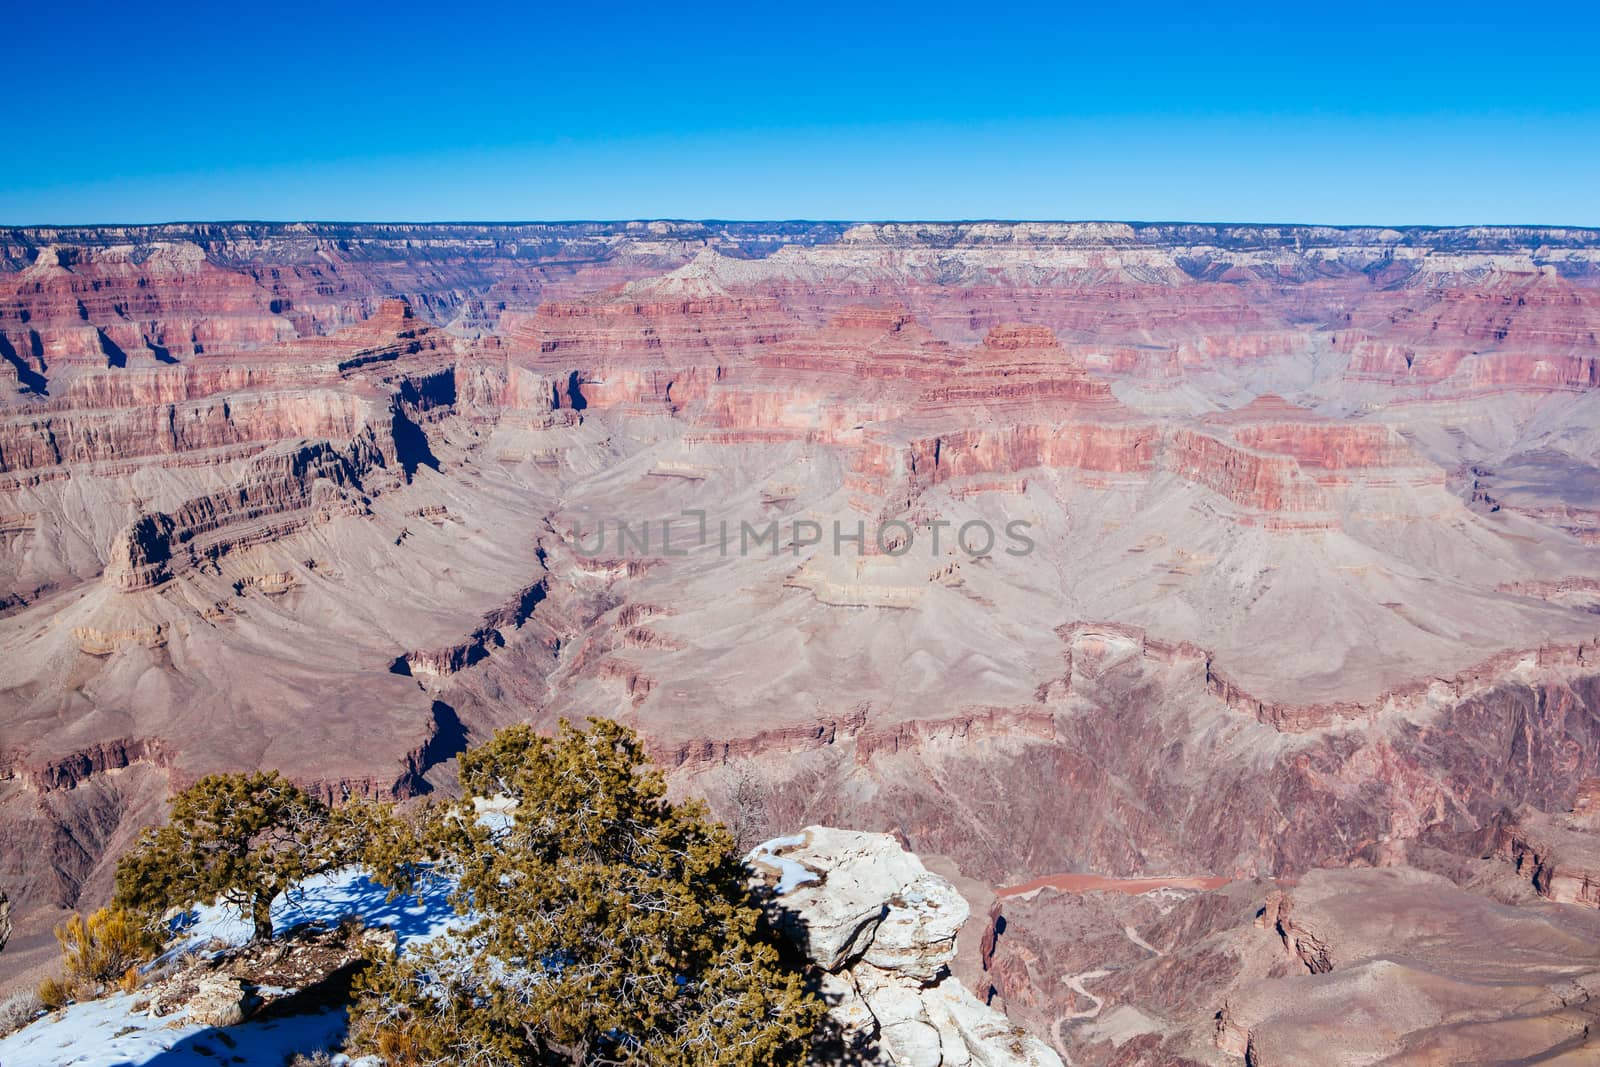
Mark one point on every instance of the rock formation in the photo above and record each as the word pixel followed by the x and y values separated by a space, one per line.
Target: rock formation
pixel 1437 974
pixel 309 968
pixel 1306 577
pixel 883 929
pixel 1558 853
pixel 1393 965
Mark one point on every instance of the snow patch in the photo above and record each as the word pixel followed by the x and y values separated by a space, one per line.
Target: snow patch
pixel 108 1033
pixel 326 898
pixel 791 873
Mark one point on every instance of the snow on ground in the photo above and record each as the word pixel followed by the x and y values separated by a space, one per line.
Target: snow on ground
pixel 328 898
pixel 108 1033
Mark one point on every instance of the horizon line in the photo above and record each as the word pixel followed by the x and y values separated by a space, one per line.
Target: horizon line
pixel 797 220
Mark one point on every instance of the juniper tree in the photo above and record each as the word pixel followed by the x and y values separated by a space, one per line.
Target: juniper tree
pixel 602 924
pixel 243 838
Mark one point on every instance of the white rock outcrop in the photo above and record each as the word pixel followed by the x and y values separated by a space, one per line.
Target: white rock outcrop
pixel 884 928
pixel 218 1000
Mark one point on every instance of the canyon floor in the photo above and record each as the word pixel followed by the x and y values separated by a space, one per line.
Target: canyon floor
pixel 1217 606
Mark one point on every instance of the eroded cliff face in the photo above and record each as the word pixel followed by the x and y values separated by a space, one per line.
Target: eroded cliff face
pixel 1309 513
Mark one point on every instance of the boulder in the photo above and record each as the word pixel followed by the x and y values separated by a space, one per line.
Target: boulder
pixel 883 929
pixel 217 1000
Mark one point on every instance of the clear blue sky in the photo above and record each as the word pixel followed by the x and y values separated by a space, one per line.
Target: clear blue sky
pixel 1350 113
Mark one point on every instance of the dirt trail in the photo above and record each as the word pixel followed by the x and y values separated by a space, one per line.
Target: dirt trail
pixel 1090 883
pixel 1075 983
pixel 1133 935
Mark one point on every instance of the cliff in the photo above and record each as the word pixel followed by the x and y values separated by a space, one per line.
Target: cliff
pixel 883 930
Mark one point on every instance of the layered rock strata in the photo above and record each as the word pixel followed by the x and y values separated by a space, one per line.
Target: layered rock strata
pixel 1310 512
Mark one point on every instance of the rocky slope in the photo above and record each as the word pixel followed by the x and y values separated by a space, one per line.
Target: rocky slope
pixel 1392 965
pixel 1114 549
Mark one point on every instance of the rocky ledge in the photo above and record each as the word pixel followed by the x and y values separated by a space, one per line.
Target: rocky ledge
pixel 309 969
pixel 883 929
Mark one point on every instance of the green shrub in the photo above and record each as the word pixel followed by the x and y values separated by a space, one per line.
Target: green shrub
pixel 607 925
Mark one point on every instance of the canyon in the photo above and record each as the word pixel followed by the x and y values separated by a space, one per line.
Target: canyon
pixel 1274 689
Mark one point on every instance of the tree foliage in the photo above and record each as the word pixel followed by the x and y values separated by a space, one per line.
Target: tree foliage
pixel 602 923
pixel 243 838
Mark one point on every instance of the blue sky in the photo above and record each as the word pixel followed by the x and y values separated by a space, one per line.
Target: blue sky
pixel 1340 113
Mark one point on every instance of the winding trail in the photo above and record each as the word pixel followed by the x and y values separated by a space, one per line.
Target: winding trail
pixel 1075 982
pixel 1133 935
